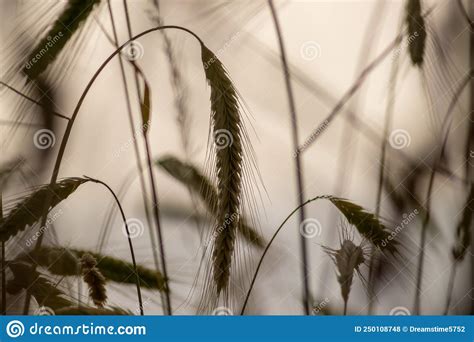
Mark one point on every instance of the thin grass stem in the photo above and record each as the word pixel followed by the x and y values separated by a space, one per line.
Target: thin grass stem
pixel 449 295
pixel 4 283
pixel 62 116
pixel 306 269
pixel 317 132
pixel 382 166
pixel 446 123
pixel 130 244
pixel 70 125
pixel 156 209
pixel 267 247
pixel 144 191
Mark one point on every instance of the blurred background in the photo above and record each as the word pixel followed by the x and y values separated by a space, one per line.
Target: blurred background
pixel 328 43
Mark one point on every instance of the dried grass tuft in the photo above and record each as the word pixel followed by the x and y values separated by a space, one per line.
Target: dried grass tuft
pixel 348 259
pixel 94 279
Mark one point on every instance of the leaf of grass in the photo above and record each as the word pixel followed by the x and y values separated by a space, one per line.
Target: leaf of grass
pixel 65 262
pixel 199 184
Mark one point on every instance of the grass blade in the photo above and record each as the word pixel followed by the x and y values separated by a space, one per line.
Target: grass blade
pixel 199 184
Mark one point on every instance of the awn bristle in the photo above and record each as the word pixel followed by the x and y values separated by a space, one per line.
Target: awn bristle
pixel 94 279
pixel 226 125
pixel 368 225
pixel 347 259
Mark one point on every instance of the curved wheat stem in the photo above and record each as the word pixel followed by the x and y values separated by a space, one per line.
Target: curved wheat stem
pixel 367 224
pixel 132 251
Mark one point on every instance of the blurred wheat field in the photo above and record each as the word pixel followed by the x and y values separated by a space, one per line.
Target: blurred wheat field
pixel 237 157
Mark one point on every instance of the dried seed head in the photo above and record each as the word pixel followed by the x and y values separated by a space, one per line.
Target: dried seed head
pixel 94 279
pixel 347 259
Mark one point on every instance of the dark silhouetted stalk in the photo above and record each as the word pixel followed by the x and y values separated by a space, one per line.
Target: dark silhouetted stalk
pixel 154 192
pixel 144 191
pixel 70 125
pixel 298 169
pixel 382 166
pixel 4 283
pixel 132 251
pixel 446 125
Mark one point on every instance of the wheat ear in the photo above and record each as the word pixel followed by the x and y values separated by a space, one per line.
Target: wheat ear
pixel 226 127
pixel 94 279
pixel 62 30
